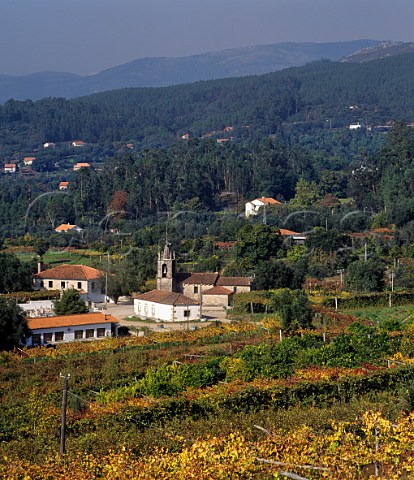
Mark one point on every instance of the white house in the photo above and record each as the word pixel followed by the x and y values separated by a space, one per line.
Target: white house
pixel 80 165
pixel 78 143
pixel 89 281
pixel 166 306
pixel 10 168
pixel 253 207
pixel 68 328
pixel 28 161
pixel 290 236
pixel 63 185
pixel 355 126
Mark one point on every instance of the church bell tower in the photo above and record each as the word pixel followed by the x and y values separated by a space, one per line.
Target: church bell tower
pixel 166 269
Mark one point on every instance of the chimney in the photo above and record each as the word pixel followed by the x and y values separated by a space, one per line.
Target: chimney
pixel 39 266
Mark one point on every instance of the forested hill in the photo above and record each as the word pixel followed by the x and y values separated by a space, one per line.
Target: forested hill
pixel 163 71
pixel 374 92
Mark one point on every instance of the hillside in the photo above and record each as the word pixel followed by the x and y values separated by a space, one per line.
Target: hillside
pixel 157 72
pixel 373 92
pixel 382 50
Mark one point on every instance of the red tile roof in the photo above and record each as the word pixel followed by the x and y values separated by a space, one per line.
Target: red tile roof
pixel 234 282
pixel 70 272
pixel 218 291
pixel 286 233
pixel 207 278
pixel 65 227
pixel 166 298
pixel 81 165
pixel 225 245
pixel 269 201
pixel 70 320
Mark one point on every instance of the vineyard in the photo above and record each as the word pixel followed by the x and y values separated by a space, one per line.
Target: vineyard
pixel 226 401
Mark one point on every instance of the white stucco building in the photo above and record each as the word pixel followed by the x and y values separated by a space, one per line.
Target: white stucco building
pixel 68 328
pixel 89 281
pixel 253 207
pixel 166 306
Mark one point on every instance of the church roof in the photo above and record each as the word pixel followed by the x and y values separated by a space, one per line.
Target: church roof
pixel 166 298
pixel 218 291
pixel 234 282
pixel 206 278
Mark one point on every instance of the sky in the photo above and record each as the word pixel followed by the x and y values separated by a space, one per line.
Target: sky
pixel 88 36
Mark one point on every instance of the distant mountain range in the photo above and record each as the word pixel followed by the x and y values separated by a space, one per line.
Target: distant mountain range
pixel 163 71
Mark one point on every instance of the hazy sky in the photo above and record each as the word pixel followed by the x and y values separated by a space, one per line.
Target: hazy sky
pixel 87 36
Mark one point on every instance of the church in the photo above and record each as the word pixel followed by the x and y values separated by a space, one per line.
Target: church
pixel 181 296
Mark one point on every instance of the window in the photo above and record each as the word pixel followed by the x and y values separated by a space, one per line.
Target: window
pixel 62 284
pixel 195 289
pixel 186 313
pixel 36 340
pixel 47 337
pixel 164 270
pixel 100 332
pixel 58 336
pixel 79 285
pixel 90 333
pixel 152 311
pixel 139 306
pixel 50 283
pixel 93 286
pixel 78 334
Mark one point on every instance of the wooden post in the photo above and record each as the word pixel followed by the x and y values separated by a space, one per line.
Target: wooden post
pixel 64 402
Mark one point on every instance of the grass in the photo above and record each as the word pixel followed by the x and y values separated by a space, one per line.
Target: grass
pixel 57 257
pixel 379 315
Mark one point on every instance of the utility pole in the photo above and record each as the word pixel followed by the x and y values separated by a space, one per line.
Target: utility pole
pixel 64 402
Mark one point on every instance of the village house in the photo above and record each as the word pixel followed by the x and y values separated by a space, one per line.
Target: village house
pixel 49 145
pixel 68 328
pixel 89 281
pixel 253 207
pixel 10 168
pixel 80 165
pixel 63 185
pixel 78 143
pixel 166 306
pixel 67 227
pixel 291 237
pixel 28 161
